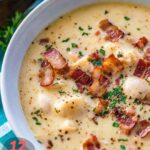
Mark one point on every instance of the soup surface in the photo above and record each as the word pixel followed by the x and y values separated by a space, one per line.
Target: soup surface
pixel 85 80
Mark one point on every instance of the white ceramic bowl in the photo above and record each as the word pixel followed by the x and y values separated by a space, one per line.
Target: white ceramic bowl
pixel 39 18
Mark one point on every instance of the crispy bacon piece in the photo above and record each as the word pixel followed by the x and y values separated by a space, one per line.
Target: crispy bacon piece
pixel 44 63
pixel 99 87
pixel 95 56
pixel 143 128
pixel 147 55
pixel 141 43
pixel 44 41
pixel 46 74
pixel 82 79
pixel 147 71
pixel 97 33
pixel 112 65
pixel 102 105
pixel 91 143
pixel 56 60
pixel 113 32
pixel 140 68
pixel 96 73
pixel 126 121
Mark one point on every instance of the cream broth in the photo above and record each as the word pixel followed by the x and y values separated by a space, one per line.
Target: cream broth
pixel 60 116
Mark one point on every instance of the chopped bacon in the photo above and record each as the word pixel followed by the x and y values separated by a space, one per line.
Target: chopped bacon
pixel 126 120
pixel 56 60
pixel 44 63
pixel 141 43
pixel 147 71
pixel 140 68
pixel 96 73
pixel 147 55
pixel 145 101
pixel 143 128
pixel 97 33
pixel 91 143
pixel 104 81
pixel 102 105
pixel 113 32
pixel 117 81
pixel 99 87
pixel 82 79
pixel 46 75
pixel 95 56
pixel 44 41
pixel 127 123
pixel 112 65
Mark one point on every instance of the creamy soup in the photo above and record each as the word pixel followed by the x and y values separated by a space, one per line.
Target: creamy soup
pixel 85 80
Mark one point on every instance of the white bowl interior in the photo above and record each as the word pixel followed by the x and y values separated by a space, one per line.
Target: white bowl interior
pixel 38 19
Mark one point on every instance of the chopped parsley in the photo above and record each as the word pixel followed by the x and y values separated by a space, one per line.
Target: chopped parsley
pixel 48 47
pixel 121 76
pixel 96 62
pixel 66 40
pixel 115 124
pixel 80 53
pixel 104 112
pixel 117 94
pixel 106 12
pixel 122 140
pixel 89 27
pixel 122 147
pixel 81 29
pixel 40 59
pixel 126 18
pixel 74 45
pixel 149 119
pixel 36 120
pixel 102 51
pixel 85 33
pixel 113 103
pixel 138 29
pixel 62 92
pixel 68 49
pixel 75 90
pixel 119 55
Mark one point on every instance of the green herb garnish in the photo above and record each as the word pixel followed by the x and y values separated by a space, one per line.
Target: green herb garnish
pixel 122 147
pixel 81 29
pixel 117 94
pixel 113 103
pixel 36 120
pixel 122 140
pixel 115 124
pixel 75 90
pixel 85 33
pixel 126 18
pixel 80 53
pixel 7 31
pixel 102 51
pixel 74 45
pixel 89 27
pixel 68 49
pixel 106 12
pixel 96 62
pixel 48 47
pixel 104 112
pixel 138 29
pixel 66 40
pixel 62 92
